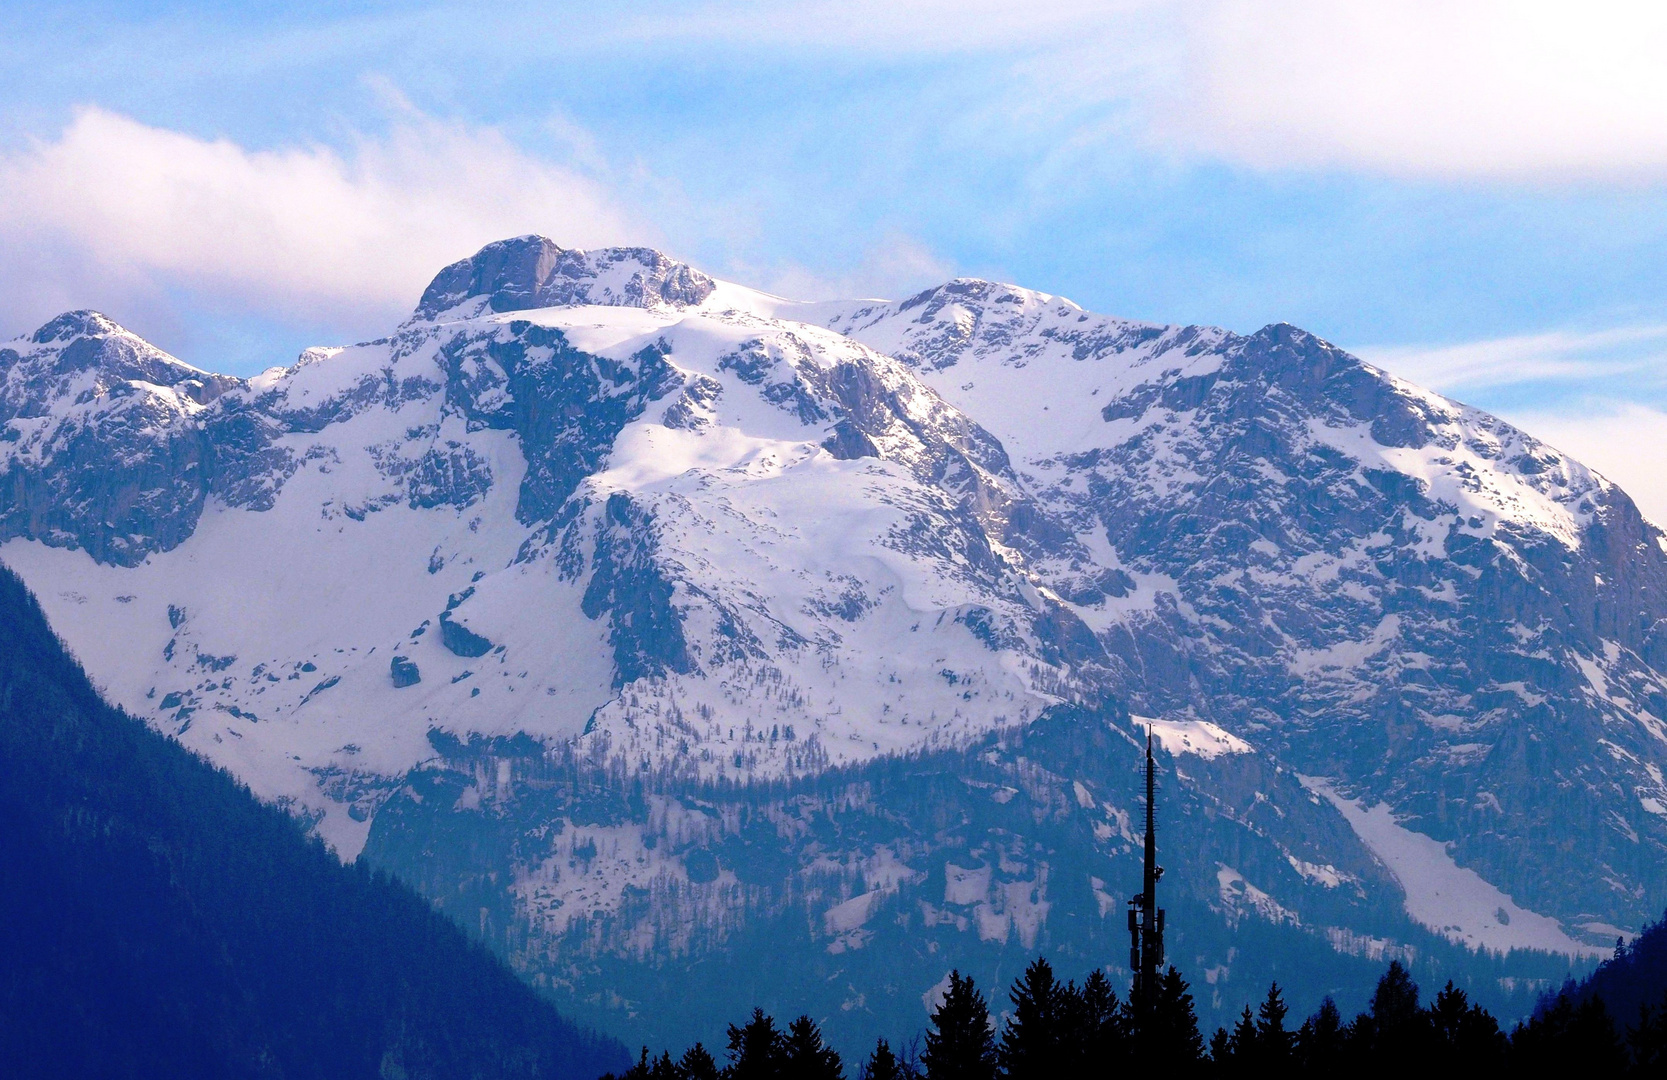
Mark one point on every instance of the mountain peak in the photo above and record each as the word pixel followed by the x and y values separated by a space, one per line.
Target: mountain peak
pixel 74 324
pixel 534 271
pixel 62 356
pixel 978 290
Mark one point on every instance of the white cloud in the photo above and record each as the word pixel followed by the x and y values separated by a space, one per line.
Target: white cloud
pixel 1557 356
pixel 895 266
pixel 1444 88
pixel 1517 90
pixel 114 213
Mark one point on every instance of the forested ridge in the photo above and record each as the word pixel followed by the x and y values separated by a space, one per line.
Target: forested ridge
pixel 1058 1030
pixel 156 920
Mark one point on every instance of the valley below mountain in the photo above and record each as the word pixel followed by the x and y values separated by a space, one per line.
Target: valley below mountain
pixel 697 648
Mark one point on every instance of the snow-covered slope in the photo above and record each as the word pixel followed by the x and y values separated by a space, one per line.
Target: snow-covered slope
pixel 719 542
pixel 1377 583
pixel 597 516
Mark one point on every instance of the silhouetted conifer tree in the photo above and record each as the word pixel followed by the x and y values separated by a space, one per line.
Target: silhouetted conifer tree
pixel 1241 1044
pixel 806 1057
pixel 1647 1042
pixel 1103 1035
pixel 697 1064
pixel 1221 1052
pixel 959 1044
pixel 882 1064
pixel 1043 1034
pixel 1463 1034
pixel 647 1068
pixel 755 1051
pixel 1568 1039
pixel 1395 1002
pixel 1273 1041
pixel 1392 1034
pixel 1321 1040
pixel 1167 1037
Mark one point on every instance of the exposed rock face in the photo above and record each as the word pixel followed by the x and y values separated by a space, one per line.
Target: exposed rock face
pixel 830 620
pixel 567 407
pixel 1377 583
pixel 101 449
pixel 460 639
pixel 531 272
pixel 403 672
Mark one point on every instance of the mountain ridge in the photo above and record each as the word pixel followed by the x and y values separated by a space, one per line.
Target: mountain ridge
pixel 683 529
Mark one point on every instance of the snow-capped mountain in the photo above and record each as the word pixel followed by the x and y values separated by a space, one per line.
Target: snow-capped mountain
pixel 656 626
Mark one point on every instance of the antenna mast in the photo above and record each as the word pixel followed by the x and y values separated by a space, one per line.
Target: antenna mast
pixel 1145 917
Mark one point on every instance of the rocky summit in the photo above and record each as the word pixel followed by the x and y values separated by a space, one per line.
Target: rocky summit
pixel 669 634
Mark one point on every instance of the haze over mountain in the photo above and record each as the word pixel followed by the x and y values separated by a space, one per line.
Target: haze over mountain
pixel 674 635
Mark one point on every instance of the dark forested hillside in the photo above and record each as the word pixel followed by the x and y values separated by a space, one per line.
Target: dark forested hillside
pixel 1634 979
pixel 156 920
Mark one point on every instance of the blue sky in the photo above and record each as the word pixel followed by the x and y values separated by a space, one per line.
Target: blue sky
pixel 1472 193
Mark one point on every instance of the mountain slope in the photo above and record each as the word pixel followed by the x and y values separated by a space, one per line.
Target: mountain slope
pixel 594 523
pixel 1380 585
pixel 156 920
pixel 591 518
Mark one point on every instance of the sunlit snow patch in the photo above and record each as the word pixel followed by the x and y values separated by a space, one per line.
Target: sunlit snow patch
pixel 1199 737
pixel 1455 902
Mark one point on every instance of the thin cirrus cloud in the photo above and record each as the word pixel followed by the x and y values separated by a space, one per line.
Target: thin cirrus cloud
pixel 1556 357
pixel 117 214
pixel 1457 90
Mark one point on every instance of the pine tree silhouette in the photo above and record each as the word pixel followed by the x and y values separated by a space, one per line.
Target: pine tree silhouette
pixel 1647 1042
pixel 1221 1052
pixel 1042 1037
pixel 639 1070
pixel 1393 1033
pixel 1169 1038
pixel 1569 1039
pixel 882 1064
pixel 806 1057
pixel 1274 1043
pixel 755 1051
pixel 1395 1001
pixel 1242 1044
pixel 646 1068
pixel 1321 1041
pixel 1464 1034
pixel 1104 1036
pixel 697 1064
pixel 959 1045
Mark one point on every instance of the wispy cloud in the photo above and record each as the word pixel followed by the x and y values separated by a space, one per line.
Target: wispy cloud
pixel 895 266
pixel 1516 90
pixel 1555 357
pixel 119 214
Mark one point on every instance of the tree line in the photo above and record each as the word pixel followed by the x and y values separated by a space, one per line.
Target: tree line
pixel 1056 1030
